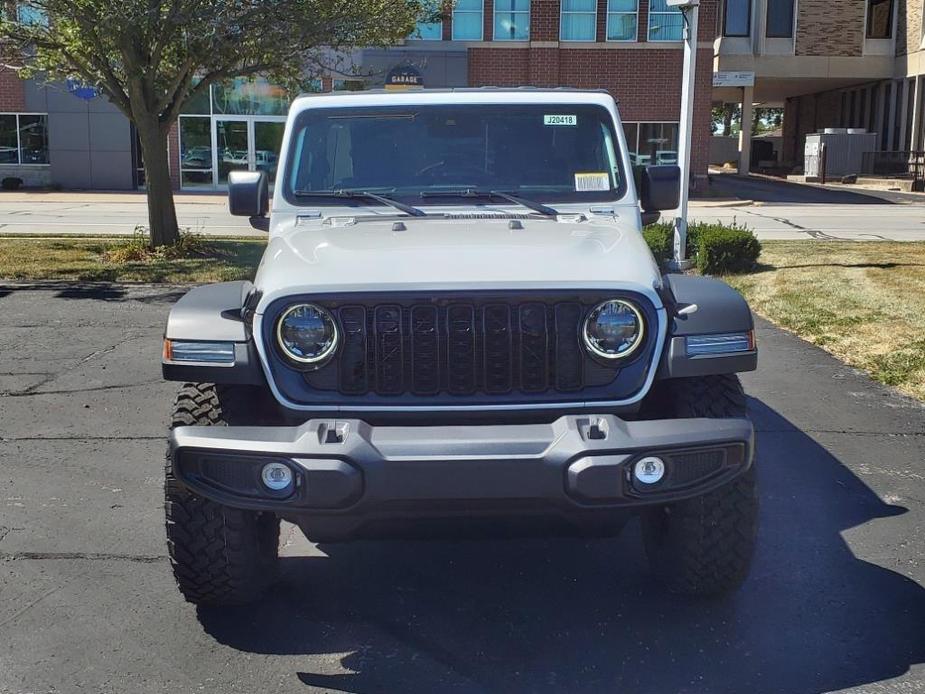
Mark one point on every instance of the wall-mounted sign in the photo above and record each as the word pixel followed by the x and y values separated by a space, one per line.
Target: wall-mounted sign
pixel 82 90
pixel 403 77
pixel 733 78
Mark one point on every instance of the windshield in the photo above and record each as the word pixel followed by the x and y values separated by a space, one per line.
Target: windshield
pixel 551 152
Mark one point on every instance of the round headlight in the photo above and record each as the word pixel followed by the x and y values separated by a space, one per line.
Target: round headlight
pixel 307 334
pixel 613 329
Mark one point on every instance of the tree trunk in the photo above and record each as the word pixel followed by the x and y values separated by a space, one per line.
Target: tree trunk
pixel 162 215
pixel 727 119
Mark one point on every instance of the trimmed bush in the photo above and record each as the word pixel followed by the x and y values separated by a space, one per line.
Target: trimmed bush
pixel 725 250
pixel 660 238
pixel 718 249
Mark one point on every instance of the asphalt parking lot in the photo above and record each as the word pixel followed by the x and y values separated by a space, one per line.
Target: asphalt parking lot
pixel 87 604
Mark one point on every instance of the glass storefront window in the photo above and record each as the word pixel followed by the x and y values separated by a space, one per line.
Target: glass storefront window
pixel 196 152
pixel 9 143
pixel 268 141
pixel 658 144
pixel 200 104
pixel 23 138
pixel 33 139
pixel 245 96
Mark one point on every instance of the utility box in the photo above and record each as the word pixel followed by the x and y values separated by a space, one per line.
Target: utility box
pixel 844 151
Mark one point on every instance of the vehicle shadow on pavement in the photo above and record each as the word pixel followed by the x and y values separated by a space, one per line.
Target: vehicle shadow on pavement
pixel 582 615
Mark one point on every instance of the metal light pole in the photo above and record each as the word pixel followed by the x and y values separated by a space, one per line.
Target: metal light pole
pixel 690 9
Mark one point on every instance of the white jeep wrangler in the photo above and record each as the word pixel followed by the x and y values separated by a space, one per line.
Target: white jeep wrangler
pixel 457 326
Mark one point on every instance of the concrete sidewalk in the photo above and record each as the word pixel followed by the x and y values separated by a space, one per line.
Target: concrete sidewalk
pixel 777 213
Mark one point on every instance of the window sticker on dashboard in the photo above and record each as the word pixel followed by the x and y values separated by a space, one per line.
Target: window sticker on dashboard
pixel 561 119
pixel 592 181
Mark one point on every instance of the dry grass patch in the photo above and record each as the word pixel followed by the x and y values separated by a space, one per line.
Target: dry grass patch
pixel 128 260
pixel 861 301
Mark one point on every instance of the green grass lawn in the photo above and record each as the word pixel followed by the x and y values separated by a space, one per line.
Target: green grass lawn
pixel 89 260
pixel 861 301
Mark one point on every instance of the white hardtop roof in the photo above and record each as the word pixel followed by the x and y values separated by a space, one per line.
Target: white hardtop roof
pixel 480 95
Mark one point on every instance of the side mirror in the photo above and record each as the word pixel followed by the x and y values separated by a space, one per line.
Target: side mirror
pixel 249 196
pixel 660 188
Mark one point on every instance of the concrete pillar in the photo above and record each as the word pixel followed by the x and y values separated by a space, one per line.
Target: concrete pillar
pixel 903 114
pixel 891 119
pixel 918 123
pixel 880 93
pixel 745 132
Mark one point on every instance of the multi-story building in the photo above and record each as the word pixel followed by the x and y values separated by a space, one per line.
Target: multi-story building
pixel 53 135
pixel 830 64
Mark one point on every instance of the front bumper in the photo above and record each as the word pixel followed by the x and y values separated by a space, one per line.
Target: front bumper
pixel 349 468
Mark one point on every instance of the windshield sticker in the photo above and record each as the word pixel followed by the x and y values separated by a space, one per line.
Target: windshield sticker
pixel 560 120
pixel 596 181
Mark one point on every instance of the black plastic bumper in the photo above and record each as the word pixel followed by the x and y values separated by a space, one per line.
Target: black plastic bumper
pixel 348 468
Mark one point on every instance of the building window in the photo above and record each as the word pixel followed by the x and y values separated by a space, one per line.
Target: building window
pixel 737 18
pixel 622 20
pixel 657 143
pixel 428 31
pixel 30 15
pixel 467 20
pixel 578 20
pixel 879 19
pixel 780 19
pixel 195 152
pixel 24 138
pixel 512 20
pixel 665 23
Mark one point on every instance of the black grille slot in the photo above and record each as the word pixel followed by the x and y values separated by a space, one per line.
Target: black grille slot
pixel 534 348
pixel 460 350
pixel 498 353
pixel 568 358
pixel 433 347
pixel 389 363
pixel 425 350
pixel 354 378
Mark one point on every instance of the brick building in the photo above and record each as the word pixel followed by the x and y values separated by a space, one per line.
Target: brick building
pixel 68 135
pixel 830 64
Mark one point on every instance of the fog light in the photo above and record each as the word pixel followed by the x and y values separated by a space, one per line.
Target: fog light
pixel 276 476
pixel 649 470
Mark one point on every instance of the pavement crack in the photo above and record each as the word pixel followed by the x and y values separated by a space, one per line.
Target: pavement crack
pixel 29 392
pixel 85 556
pixel 81 438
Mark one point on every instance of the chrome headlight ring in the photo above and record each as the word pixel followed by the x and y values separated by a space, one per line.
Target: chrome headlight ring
pixel 320 340
pixel 617 321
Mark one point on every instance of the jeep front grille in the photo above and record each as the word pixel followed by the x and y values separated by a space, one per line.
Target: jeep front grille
pixel 460 348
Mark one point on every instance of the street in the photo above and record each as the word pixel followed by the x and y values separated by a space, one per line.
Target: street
pixel 87 603
pixel 771 209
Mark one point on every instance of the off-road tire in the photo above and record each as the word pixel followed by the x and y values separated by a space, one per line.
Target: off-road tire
pixel 219 555
pixel 704 546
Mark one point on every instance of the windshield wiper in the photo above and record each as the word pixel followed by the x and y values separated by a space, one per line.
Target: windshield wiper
pixel 476 193
pixel 359 195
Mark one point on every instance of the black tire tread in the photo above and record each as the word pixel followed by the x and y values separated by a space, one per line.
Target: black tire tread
pixel 219 555
pixel 704 546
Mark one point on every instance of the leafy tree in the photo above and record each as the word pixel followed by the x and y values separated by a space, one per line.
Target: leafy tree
pixel 150 56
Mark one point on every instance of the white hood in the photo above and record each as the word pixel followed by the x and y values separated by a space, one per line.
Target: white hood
pixel 373 254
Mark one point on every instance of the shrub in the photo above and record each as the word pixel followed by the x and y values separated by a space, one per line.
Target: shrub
pixel 11 183
pixel 660 238
pixel 726 249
